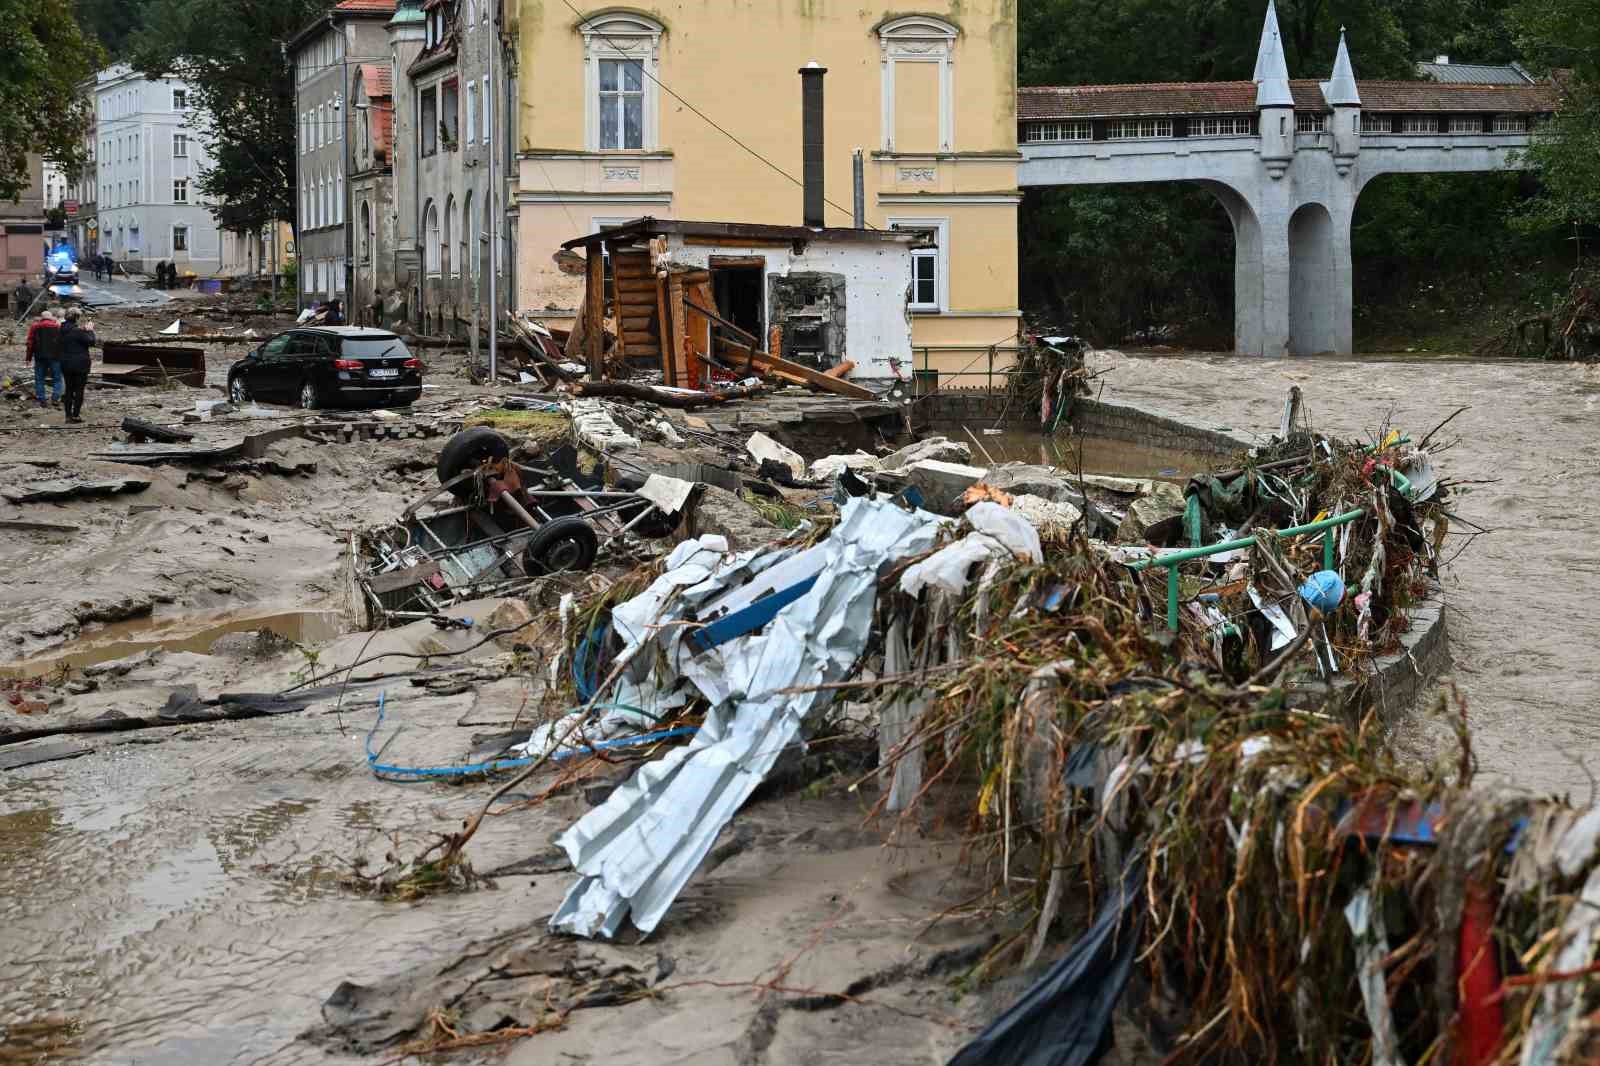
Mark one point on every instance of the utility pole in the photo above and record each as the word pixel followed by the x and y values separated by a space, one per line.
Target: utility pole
pixel 494 194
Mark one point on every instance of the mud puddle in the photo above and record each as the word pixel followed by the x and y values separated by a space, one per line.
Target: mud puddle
pixel 192 633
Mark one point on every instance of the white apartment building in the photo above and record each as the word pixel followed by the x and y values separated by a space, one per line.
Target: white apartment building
pixel 149 161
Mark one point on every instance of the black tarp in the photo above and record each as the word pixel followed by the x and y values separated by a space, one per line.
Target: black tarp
pixel 1065 1018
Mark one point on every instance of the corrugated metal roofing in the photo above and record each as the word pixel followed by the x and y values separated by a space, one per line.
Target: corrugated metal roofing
pixel 1475 73
pixel 1239 97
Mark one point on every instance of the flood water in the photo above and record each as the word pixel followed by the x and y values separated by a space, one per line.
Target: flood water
pixel 1097 455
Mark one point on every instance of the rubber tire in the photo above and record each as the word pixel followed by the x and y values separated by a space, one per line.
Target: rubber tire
pixel 238 391
pixel 309 400
pixel 468 450
pixel 565 545
pixel 657 526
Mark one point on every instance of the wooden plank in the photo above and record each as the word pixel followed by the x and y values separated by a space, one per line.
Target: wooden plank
pixel 700 331
pixel 640 339
pixel 639 323
pixel 677 355
pixel 594 314
pixel 616 308
pixel 797 373
pixel 664 324
pixel 738 262
pixel 395 580
pixel 640 284
pixel 640 298
pixel 707 312
pixel 739 242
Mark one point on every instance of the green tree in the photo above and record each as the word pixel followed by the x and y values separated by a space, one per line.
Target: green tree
pixel 112 22
pixel 46 57
pixel 231 55
pixel 1564 35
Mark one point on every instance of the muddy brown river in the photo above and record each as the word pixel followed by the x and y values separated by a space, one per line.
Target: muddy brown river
pixel 153 907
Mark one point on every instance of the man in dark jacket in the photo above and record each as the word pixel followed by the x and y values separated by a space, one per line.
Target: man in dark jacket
pixel 44 352
pixel 76 340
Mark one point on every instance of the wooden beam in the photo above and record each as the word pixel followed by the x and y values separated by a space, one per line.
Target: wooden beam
pixel 664 325
pixel 679 351
pixel 594 314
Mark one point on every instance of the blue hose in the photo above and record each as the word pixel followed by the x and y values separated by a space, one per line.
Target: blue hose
pixel 384 771
pixel 586 675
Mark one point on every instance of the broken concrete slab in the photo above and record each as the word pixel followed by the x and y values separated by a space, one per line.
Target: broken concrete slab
pixel 1164 502
pixel 67 489
pixel 722 512
pixel 936 448
pixel 942 483
pixel 763 448
pixel 831 466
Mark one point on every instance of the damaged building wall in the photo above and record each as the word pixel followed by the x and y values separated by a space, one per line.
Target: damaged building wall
pixel 871 328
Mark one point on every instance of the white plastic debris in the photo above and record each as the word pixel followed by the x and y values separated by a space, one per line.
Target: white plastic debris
pixel 762 448
pixel 666 432
pixel 174 329
pixel 1008 527
pixel 667 493
pixel 562 735
pixel 635 852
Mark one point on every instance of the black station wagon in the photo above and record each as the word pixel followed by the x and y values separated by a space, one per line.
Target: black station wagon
pixel 329 366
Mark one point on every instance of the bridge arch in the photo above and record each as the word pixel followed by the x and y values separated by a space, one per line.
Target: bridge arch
pixel 1313 276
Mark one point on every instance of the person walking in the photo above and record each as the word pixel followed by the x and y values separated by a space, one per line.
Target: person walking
pixel 44 352
pixel 76 340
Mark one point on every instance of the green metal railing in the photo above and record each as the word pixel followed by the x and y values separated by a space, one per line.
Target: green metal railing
pixel 1326 526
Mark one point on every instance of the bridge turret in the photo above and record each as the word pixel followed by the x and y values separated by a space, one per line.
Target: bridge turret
pixel 1274 101
pixel 1342 95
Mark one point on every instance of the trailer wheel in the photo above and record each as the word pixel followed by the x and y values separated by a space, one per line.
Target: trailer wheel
pixel 565 544
pixel 655 525
pixel 468 450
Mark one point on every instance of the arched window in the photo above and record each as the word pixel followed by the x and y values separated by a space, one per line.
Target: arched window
pixel 621 51
pixel 338 197
pixel 447 245
pixel 472 15
pixel 430 237
pixel 469 245
pixel 489 235
pixel 366 232
pixel 917 54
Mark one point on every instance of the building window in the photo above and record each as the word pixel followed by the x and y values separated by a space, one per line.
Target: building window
pixel 1466 124
pixel 1419 124
pixel 338 197
pixel 484 91
pixel 466 261
pixel 450 114
pixel 621 104
pixel 1310 122
pixel 1371 123
pixel 472 113
pixel 917 84
pixel 180 99
pixel 447 238
pixel 180 238
pixel 1222 126
pixel 366 232
pixel 930 267
pixel 180 190
pixel 429 123
pixel 1135 128
pixel 472 15
pixel 180 146
pixel 620 55
pixel 308 283
pixel 1037 132
pixel 1511 124
pixel 430 238
pixel 338 274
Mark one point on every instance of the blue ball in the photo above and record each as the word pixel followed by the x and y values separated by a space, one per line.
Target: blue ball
pixel 1323 590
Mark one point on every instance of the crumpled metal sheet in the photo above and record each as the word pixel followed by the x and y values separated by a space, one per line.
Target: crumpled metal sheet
pixel 635 852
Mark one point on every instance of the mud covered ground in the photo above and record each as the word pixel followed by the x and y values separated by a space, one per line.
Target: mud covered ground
pixel 173 895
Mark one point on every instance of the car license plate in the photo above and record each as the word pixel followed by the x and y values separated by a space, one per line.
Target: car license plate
pixel 383 373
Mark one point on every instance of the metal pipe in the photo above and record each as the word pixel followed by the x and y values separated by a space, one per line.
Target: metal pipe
pixel 494 199
pixel 812 147
pixel 858 169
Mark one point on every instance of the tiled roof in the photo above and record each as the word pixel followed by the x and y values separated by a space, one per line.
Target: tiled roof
pixel 1239 97
pixel 366 7
pixel 1475 73
pixel 378 80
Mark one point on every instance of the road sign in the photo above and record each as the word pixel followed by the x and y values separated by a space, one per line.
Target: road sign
pixel 71 207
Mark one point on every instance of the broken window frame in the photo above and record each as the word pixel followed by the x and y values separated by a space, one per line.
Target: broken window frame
pixel 937 231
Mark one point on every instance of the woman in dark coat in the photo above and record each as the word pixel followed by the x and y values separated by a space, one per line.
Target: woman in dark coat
pixel 76 340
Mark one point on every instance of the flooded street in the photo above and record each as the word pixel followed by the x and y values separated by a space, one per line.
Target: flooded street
pixel 1523 624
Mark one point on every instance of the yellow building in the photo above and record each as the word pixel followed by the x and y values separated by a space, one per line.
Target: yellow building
pixel 691 109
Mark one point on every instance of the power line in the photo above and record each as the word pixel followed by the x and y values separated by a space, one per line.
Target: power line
pixel 584 20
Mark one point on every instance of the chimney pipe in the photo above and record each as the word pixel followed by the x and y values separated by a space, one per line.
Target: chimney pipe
pixel 859 174
pixel 811 140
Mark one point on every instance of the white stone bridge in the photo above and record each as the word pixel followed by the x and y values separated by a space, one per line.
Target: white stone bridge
pixel 1287 159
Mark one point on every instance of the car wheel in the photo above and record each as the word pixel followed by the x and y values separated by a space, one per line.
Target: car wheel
pixel 468 450
pixel 567 544
pixel 309 400
pixel 238 391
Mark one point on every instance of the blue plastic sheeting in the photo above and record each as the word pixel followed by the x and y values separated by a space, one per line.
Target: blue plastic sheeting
pixel 387 772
